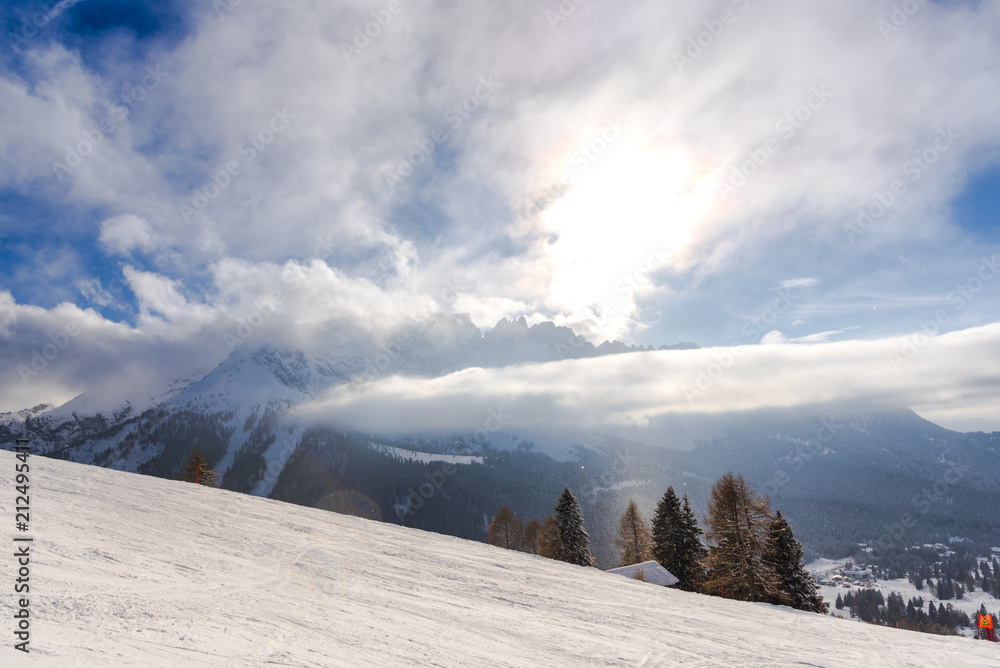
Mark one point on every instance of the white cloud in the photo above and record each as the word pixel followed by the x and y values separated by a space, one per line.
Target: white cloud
pixel 773 337
pixel 818 337
pixel 59 8
pixel 93 291
pixel 123 233
pixel 800 282
pixel 582 255
pixel 953 371
pixel 308 305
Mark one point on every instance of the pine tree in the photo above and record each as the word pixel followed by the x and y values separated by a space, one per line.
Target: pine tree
pixel 738 522
pixel 785 554
pixel 677 542
pixel 574 542
pixel 634 537
pixel 693 551
pixel 198 470
pixel 666 531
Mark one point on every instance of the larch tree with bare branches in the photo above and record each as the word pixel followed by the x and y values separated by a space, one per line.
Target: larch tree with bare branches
pixel 531 540
pixel 507 527
pixel 634 537
pixel 739 524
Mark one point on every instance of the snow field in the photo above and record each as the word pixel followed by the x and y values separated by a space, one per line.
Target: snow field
pixel 130 570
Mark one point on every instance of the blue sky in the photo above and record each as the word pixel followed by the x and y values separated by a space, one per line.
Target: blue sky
pixel 656 174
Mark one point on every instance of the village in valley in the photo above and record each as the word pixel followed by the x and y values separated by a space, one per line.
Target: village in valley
pixel 863 588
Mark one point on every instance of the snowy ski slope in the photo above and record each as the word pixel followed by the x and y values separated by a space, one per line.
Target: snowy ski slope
pixel 129 570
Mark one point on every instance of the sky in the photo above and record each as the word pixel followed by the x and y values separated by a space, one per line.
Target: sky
pixel 803 182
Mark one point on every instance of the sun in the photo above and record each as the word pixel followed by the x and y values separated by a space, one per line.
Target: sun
pixel 629 212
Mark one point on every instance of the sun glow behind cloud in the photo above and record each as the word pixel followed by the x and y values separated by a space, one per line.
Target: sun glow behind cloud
pixel 628 213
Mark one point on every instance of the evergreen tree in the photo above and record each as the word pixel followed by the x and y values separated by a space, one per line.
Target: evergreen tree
pixel 198 470
pixel 666 531
pixel 574 542
pixel 895 609
pixel 693 550
pixel 738 526
pixel 677 542
pixel 634 537
pixel 785 554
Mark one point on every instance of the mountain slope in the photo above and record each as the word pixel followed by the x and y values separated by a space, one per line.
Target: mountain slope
pixel 131 570
pixel 109 426
pixel 842 476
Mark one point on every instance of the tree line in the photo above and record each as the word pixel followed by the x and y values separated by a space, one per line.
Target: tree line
pixel 751 554
pixel 869 605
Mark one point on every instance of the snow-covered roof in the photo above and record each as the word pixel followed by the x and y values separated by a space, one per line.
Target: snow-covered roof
pixel 651 571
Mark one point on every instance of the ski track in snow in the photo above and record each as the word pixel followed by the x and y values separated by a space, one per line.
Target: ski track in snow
pixel 129 570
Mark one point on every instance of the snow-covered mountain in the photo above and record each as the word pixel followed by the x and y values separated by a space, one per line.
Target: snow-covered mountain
pixel 174 574
pixel 228 410
pixel 839 478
